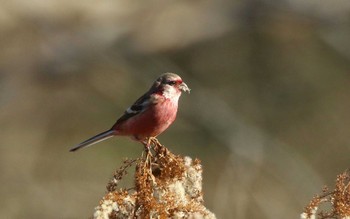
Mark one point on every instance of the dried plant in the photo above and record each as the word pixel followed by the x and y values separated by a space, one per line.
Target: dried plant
pixel 166 186
pixel 338 199
pixel 119 173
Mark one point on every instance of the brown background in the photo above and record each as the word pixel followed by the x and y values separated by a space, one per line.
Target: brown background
pixel 268 114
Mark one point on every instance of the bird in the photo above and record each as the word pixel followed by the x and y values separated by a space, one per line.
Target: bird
pixel 149 116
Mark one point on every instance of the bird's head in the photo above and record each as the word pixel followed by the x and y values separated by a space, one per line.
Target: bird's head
pixel 170 84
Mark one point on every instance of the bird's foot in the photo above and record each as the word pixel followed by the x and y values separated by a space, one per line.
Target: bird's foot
pixel 151 143
pixel 155 141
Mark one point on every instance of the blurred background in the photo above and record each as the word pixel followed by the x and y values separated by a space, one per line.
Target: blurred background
pixel 268 114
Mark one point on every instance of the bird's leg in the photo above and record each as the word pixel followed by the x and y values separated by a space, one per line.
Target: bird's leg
pixel 155 141
pixel 156 144
pixel 148 146
pixel 147 143
pixel 148 158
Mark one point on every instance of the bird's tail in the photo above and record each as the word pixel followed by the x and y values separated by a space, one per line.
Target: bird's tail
pixel 97 138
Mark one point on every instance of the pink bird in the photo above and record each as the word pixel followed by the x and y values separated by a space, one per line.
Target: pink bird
pixel 150 115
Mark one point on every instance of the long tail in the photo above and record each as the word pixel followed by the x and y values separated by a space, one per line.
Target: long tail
pixel 97 138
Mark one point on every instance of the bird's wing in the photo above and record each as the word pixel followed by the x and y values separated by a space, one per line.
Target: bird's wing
pixel 139 106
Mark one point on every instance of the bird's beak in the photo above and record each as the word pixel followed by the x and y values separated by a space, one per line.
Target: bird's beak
pixel 184 87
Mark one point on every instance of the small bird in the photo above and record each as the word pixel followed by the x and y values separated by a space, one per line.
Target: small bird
pixel 150 115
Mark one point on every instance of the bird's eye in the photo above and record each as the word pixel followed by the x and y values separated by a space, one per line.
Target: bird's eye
pixel 171 82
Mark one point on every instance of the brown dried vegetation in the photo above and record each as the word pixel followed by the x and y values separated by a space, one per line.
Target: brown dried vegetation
pixel 338 199
pixel 166 186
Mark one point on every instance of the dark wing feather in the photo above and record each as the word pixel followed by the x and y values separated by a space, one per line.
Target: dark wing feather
pixel 140 105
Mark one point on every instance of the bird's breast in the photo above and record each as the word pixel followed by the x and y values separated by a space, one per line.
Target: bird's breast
pixel 152 121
